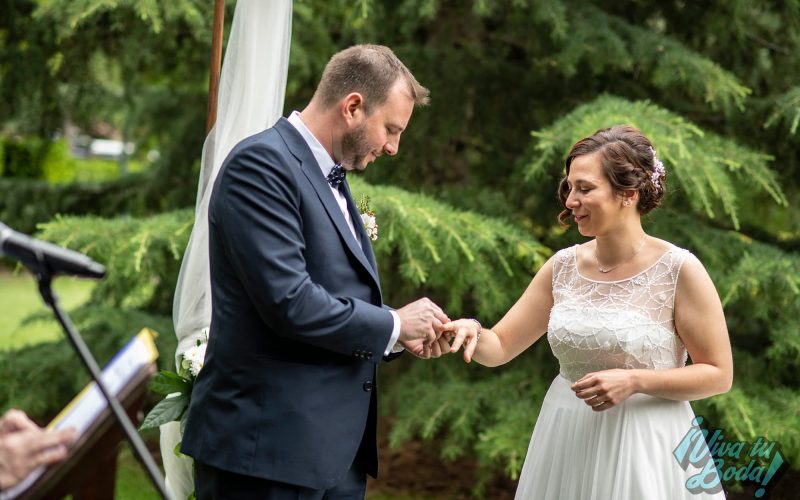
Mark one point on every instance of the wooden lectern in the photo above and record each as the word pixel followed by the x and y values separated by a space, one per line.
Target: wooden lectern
pixel 90 471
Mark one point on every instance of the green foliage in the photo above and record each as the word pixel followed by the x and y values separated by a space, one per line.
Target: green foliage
pixel 138 67
pixel 756 407
pixel 154 14
pixel 606 42
pixel 425 245
pixel 477 412
pixel 34 158
pixel 759 285
pixel 128 194
pixel 707 167
pixel 142 256
pixel 787 109
pixel 53 368
pixel 23 158
pixel 60 166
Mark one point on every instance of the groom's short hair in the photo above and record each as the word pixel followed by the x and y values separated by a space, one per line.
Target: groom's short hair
pixel 370 70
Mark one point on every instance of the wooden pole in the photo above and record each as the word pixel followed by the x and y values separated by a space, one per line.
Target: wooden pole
pixel 216 61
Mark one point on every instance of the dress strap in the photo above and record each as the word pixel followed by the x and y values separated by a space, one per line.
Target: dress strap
pixel 564 264
pixel 679 256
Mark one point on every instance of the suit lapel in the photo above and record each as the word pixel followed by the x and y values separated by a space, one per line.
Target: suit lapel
pixel 310 168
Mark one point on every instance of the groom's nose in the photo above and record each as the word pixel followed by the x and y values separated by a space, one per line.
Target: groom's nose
pixel 391 148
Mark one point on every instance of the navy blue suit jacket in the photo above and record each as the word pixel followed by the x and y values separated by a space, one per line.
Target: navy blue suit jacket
pixel 298 323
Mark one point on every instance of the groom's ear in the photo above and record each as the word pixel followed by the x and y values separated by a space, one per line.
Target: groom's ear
pixel 352 108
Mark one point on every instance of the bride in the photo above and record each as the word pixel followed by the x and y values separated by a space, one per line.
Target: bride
pixel 620 312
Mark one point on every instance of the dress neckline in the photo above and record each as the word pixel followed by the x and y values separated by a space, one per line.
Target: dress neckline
pixel 651 266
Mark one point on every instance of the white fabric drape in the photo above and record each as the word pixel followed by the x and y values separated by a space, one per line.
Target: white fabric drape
pixel 251 92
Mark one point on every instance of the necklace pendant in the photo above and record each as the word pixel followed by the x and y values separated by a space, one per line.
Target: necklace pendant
pixel 605 270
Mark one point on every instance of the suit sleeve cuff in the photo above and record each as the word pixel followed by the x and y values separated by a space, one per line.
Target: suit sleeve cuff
pixel 394 345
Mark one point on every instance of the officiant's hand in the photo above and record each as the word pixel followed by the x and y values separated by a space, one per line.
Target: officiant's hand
pixel 25 446
pixel 421 321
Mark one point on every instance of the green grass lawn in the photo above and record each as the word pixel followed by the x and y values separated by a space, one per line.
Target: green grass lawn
pixel 19 298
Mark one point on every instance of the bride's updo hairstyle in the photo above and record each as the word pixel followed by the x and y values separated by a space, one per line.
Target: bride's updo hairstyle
pixel 629 162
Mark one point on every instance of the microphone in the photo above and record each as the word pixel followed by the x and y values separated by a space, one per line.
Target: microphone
pixel 33 253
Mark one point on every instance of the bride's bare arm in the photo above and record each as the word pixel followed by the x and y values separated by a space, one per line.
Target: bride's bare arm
pixel 700 323
pixel 521 326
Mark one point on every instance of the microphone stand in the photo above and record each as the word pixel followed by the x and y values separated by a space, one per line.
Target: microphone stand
pixel 44 277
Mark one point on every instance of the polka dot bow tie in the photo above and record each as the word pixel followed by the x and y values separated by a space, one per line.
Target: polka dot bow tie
pixel 336 177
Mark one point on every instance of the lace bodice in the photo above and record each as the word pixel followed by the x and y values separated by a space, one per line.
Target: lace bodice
pixel 599 325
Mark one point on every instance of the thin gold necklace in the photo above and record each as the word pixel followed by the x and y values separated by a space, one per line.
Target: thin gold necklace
pixel 605 270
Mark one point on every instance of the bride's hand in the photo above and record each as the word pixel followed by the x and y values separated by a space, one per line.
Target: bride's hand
pixel 605 389
pixel 463 332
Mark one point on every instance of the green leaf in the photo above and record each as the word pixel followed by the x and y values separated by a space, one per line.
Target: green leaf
pixel 168 410
pixel 166 382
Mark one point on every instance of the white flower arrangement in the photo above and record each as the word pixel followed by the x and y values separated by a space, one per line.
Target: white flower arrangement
pixel 370 225
pixel 368 218
pixel 193 358
pixel 176 387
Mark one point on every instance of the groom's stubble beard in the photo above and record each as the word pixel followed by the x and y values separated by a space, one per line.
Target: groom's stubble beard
pixel 355 148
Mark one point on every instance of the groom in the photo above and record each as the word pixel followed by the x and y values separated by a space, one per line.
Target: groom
pixel 285 406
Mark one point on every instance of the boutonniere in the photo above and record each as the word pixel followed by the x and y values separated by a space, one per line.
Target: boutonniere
pixel 368 218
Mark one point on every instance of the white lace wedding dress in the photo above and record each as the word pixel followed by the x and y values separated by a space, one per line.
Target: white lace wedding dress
pixel 625 452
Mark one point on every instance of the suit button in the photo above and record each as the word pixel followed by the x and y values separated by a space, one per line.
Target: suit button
pixel 367 355
pixel 368 386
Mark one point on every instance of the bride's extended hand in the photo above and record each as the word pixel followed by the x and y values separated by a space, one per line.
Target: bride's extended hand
pixel 463 332
pixel 605 389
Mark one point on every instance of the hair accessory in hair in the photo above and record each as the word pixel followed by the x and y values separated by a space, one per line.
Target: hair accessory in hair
pixel 658 170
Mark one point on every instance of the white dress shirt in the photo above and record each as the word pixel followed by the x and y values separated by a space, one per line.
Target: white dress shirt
pixel 326 163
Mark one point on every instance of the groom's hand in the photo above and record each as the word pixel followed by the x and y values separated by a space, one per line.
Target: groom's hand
pixel 421 321
pixel 424 351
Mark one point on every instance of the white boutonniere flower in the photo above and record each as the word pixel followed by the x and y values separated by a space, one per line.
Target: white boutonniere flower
pixel 193 358
pixel 368 218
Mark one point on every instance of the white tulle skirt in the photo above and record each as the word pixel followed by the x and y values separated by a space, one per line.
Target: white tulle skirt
pixel 624 453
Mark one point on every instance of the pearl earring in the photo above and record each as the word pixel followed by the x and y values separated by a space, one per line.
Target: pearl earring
pixel 627 203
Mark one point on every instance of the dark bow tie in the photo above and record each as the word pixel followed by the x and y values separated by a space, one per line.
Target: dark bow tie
pixel 336 177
